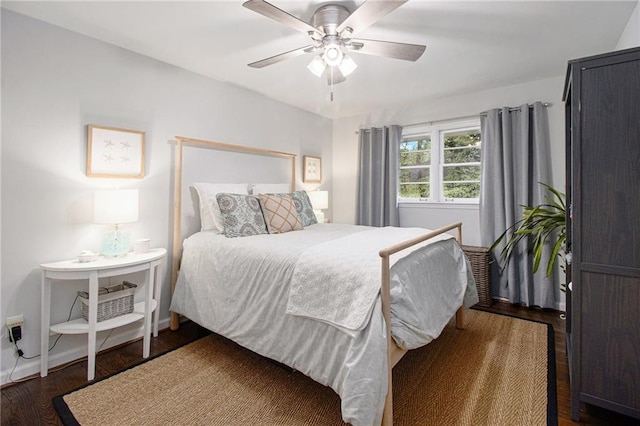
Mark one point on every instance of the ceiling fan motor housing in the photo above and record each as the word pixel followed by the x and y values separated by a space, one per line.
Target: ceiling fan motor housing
pixel 328 17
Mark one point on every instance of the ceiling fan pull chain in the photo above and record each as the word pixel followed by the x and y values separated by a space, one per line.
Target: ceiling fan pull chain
pixel 331 70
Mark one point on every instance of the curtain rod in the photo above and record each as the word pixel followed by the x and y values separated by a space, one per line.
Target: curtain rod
pixel 465 117
pixel 544 104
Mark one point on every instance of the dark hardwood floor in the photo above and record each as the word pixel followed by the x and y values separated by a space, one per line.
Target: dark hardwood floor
pixel 29 402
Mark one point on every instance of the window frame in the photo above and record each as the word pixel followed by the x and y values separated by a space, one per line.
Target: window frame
pixel 436 133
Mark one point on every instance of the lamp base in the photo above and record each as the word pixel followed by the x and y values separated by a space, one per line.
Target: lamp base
pixel 115 243
pixel 319 216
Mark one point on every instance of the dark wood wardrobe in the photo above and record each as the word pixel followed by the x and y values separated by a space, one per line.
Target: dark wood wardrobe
pixel 602 100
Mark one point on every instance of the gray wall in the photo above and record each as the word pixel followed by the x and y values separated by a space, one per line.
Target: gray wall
pixel 54 83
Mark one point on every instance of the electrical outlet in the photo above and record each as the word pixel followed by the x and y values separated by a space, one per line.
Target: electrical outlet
pixel 15 333
pixel 14 327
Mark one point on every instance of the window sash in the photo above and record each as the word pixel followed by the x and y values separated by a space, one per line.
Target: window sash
pixel 437 181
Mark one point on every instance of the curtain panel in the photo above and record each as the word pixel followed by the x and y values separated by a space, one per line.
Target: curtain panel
pixel 378 175
pixel 515 158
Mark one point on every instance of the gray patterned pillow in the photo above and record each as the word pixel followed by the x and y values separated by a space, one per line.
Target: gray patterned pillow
pixel 304 208
pixel 242 215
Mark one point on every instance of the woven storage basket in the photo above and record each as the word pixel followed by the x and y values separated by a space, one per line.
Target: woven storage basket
pixel 113 301
pixel 479 257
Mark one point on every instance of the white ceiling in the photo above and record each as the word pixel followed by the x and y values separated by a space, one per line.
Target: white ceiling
pixel 471 46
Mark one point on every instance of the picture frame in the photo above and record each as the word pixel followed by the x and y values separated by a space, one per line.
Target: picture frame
pixel 311 169
pixel 114 152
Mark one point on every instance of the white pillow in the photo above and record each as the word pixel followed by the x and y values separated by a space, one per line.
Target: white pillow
pixel 271 188
pixel 210 216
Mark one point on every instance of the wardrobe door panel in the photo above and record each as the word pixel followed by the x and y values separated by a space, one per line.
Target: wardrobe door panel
pixel 610 348
pixel 611 165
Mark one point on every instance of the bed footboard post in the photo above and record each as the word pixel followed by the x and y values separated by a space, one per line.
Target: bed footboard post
pixel 387 414
pixel 460 311
pixel 460 318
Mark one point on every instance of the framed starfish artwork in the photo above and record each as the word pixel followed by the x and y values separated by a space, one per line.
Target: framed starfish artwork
pixel 114 153
pixel 311 169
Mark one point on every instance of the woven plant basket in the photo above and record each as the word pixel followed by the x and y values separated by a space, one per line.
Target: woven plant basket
pixel 480 260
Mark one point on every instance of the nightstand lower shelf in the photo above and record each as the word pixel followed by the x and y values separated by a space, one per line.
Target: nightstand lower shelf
pixel 81 326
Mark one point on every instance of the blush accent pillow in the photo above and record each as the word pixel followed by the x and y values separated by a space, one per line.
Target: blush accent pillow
pixel 280 213
pixel 242 215
pixel 210 216
pixel 303 207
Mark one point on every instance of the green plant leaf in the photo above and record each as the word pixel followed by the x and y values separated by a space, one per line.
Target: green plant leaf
pixel 539 225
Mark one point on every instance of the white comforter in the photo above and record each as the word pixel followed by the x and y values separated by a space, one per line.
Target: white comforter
pixel 338 281
pixel 240 288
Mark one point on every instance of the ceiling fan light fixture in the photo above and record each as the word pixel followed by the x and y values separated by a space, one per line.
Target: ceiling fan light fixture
pixel 332 55
pixel 347 66
pixel 317 66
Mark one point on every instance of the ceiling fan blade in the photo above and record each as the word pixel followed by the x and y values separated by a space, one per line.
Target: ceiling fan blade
pixel 388 49
pixel 334 76
pixel 281 57
pixel 368 13
pixel 270 11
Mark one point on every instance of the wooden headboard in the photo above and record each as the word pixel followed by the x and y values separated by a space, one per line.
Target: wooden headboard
pixel 217 162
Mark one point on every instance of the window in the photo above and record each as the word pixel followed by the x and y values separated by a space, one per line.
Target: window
pixel 441 162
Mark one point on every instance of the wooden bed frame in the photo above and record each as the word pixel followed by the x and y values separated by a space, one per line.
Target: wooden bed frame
pixel 394 352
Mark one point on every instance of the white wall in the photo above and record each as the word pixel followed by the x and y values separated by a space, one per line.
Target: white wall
pixel 345 148
pixel 54 83
pixel 630 37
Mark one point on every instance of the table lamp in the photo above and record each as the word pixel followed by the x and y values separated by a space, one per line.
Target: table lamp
pixel 319 201
pixel 115 207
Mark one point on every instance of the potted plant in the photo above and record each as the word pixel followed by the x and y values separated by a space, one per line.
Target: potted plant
pixel 539 224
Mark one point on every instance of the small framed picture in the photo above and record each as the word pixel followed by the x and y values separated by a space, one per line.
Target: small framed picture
pixel 114 153
pixel 312 169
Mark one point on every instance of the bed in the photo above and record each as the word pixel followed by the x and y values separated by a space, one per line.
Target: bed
pixel 320 299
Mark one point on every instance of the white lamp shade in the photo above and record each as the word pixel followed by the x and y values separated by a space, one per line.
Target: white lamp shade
pixel 347 66
pixel 319 199
pixel 115 206
pixel 317 66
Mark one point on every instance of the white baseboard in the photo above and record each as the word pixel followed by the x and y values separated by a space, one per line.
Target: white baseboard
pixel 29 367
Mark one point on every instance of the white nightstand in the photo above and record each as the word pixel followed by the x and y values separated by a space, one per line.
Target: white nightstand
pixel 92 271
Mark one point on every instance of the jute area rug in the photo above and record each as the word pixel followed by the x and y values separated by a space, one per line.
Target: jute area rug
pixel 497 371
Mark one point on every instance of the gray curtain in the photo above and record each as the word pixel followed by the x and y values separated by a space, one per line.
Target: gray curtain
pixel 379 151
pixel 515 158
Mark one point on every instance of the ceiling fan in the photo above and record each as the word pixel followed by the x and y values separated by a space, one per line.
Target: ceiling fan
pixel 332 29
